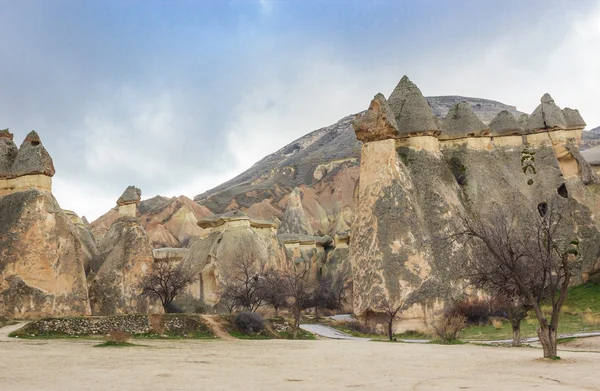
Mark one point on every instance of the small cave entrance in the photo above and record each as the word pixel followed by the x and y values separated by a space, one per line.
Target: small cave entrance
pixel 562 191
pixel 458 170
pixel 542 208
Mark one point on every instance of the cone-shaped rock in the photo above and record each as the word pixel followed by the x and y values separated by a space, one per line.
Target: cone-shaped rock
pixel 546 116
pixel 462 122
pixel 131 195
pixel 377 123
pixel 295 220
pixel 523 119
pixel 573 119
pixel 124 257
pixel 413 114
pixel 505 124
pixel 8 152
pixel 32 158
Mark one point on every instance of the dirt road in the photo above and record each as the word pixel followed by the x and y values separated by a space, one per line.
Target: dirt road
pixel 287 365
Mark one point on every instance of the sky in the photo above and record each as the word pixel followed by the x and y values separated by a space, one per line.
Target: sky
pixel 176 97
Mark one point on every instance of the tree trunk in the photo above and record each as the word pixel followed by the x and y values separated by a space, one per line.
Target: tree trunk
pixel 516 329
pixel 548 340
pixel 390 329
pixel 277 312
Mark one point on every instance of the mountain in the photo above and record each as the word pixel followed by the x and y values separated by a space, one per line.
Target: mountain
pixel 323 165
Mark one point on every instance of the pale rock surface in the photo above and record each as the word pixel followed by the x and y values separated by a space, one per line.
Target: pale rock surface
pixel 41 258
pixel 125 256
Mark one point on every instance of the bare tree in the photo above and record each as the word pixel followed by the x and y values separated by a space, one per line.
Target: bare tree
pixel 164 281
pixel 300 290
pixel 392 312
pixel 243 282
pixel 530 261
pixel 273 291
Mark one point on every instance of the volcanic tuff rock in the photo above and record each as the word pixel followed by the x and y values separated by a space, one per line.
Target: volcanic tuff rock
pixel 413 114
pixel 41 258
pixel 294 220
pixel 8 152
pixel 461 122
pixel 505 124
pixel 411 197
pixel 125 255
pixel 168 222
pixel 378 123
pixel 32 158
pixel 546 116
pixel 324 166
pixel 228 241
pixel 131 195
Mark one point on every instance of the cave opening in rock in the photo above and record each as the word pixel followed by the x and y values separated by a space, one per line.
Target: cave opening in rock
pixel 562 191
pixel 542 208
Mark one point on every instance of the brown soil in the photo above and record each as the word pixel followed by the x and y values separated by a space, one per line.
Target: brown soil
pixel 286 365
pixel 217 327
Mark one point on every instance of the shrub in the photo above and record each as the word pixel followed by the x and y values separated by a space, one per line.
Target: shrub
pixel 479 311
pixel 497 323
pixel 590 318
pixel 448 326
pixel 249 322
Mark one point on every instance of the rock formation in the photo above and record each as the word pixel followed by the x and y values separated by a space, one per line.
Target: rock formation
pixel 294 220
pixel 41 252
pixel 124 257
pixel 414 187
pixel 227 240
pixel 169 222
pixel 128 201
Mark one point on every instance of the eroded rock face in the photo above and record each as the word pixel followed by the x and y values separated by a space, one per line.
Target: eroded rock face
pixel 573 119
pixel 41 258
pixel 461 122
pixel 32 158
pixel 169 222
pixel 410 199
pixel 378 123
pixel 131 195
pixel 125 256
pixel 8 153
pixel 228 240
pixel 505 124
pixel 546 116
pixel 294 220
pixel 413 114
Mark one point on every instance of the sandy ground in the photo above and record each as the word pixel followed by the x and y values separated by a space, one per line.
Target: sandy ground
pixel 288 365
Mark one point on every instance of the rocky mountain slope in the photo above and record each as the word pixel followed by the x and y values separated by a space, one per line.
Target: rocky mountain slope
pixel 323 165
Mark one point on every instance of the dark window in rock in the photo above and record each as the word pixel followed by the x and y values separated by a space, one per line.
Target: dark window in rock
pixel 34 143
pixel 542 208
pixel 530 182
pixel 458 170
pixel 562 191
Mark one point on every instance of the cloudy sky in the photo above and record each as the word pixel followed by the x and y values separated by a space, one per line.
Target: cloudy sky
pixel 176 97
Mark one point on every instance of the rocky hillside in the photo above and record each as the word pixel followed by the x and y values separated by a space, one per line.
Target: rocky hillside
pixel 324 165
pixel 590 139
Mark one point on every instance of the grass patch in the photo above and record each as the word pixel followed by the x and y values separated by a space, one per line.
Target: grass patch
pixel 580 313
pixel 439 341
pixel 412 334
pixel 565 340
pixel 301 335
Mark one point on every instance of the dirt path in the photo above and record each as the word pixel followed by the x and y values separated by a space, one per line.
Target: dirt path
pixel 217 328
pixel 4 331
pixel 75 365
